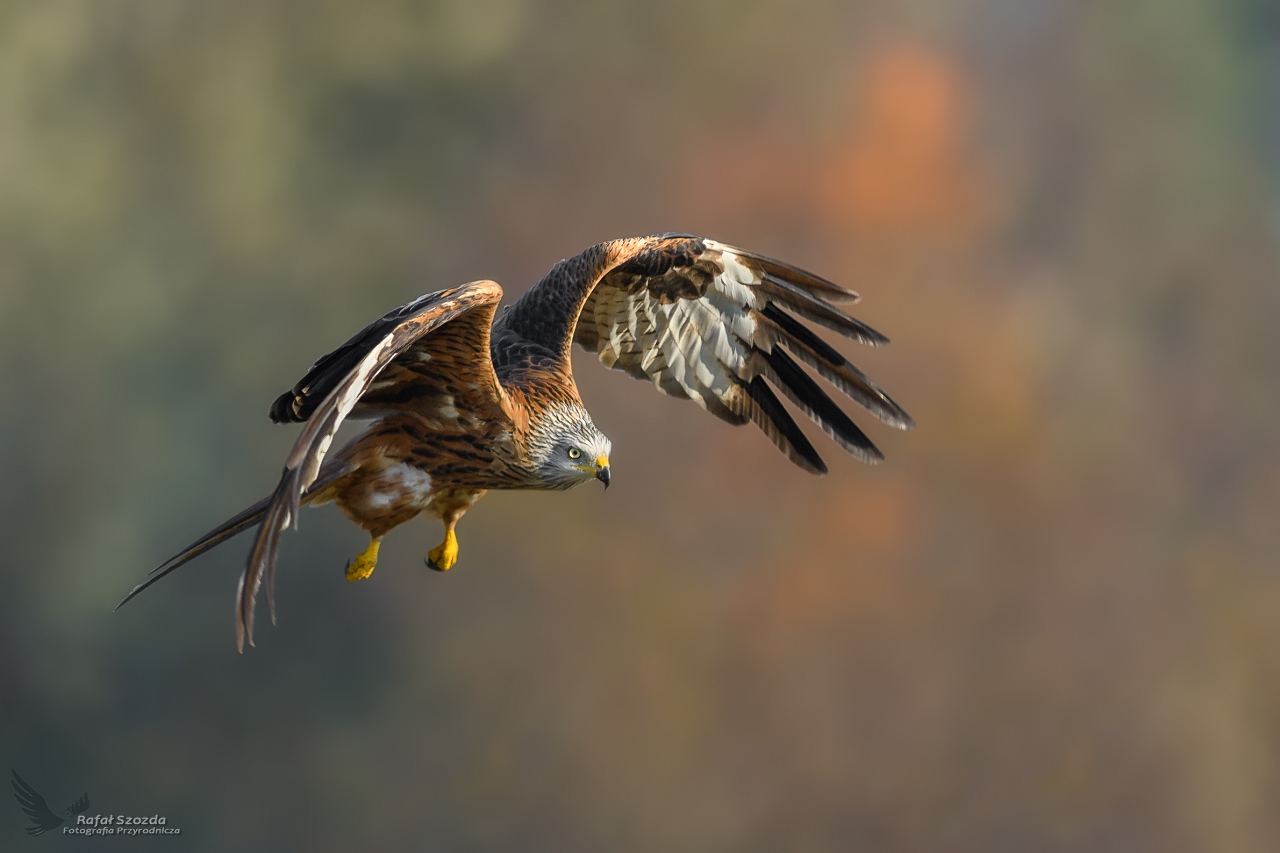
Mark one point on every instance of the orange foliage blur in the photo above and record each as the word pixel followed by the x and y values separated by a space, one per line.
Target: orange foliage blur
pixel 903 163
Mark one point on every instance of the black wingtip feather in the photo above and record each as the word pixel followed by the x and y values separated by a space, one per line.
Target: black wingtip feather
pixel 823 313
pixel 830 291
pixel 297 404
pixel 836 369
pixel 802 333
pixel 772 409
pixel 808 395
pixel 281 411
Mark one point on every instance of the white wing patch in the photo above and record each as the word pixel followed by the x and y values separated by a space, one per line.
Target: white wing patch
pixel 689 348
pixel 725 328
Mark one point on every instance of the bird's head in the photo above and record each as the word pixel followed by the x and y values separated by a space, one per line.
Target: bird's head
pixel 568 449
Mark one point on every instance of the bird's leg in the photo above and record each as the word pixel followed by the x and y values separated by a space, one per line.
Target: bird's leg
pixel 449 505
pixel 362 566
pixel 443 556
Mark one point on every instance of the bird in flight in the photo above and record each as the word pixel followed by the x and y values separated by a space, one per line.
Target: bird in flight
pixel 461 404
pixel 42 817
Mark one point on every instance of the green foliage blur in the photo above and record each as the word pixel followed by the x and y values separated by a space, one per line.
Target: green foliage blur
pixel 1049 621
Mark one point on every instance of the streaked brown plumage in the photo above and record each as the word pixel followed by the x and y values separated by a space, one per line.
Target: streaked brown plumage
pixel 461 404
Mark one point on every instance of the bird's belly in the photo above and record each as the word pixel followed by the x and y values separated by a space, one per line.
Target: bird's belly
pixel 394 489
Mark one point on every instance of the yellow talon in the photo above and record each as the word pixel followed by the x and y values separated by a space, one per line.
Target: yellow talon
pixel 363 566
pixel 442 557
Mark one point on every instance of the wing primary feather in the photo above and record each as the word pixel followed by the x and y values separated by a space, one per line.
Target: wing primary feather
pixel 801 332
pixel 229 529
pixel 809 396
pixel 262 558
pixel 215 537
pixel 782 428
pixel 836 369
pixel 297 404
pixel 798 277
pixel 812 308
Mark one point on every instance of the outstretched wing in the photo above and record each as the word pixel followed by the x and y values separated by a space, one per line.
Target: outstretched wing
pixel 707 322
pixel 42 819
pixel 431 356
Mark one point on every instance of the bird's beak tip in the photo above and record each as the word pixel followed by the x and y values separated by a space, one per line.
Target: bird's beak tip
pixel 602 474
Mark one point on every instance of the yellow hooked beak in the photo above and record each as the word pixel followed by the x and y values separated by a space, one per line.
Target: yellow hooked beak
pixel 602 469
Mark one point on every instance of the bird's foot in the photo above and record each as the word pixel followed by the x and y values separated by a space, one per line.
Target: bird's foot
pixel 442 557
pixel 363 566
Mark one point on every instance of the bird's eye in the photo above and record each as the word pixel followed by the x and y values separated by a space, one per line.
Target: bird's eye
pixel 575 453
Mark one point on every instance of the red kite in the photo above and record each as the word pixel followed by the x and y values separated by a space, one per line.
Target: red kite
pixel 461 404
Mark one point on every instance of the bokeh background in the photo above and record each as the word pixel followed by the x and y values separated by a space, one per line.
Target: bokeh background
pixel 1050 621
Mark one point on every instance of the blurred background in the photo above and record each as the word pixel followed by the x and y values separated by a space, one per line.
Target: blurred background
pixel 1049 621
